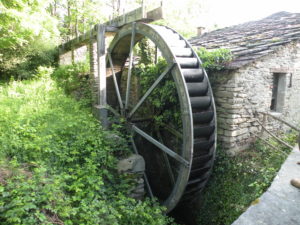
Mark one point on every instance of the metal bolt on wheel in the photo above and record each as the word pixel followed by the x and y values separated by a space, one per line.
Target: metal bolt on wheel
pixel 179 151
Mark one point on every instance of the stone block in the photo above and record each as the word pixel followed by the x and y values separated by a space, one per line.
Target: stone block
pixel 254 129
pixel 231 116
pixel 243 125
pixel 235 133
pixel 234 89
pixel 220 131
pixel 228 140
pixel 232 127
pixel 241 95
pixel 223 94
pixel 234 111
pixel 240 120
pixel 133 164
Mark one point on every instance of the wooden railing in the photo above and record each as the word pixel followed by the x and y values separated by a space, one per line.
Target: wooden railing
pixel 264 130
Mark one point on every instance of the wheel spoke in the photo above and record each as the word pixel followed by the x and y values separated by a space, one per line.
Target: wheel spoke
pixel 169 168
pixel 114 111
pixel 172 130
pixel 130 65
pixel 115 80
pixel 145 176
pixel 149 91
pixel 139 120
pixel 161 146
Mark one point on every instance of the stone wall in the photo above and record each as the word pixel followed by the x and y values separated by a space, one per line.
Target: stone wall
pixel 78 55
pixel 241 93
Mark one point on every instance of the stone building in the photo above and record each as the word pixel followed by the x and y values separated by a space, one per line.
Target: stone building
pixel 264 75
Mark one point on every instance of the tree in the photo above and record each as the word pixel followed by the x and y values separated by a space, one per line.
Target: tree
pixel 27 30
pixel 78 16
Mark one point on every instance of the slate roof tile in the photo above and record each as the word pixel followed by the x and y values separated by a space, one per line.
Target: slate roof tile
pixel 252 40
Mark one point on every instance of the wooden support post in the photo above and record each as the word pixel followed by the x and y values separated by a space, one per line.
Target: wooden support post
pixel 93 72
pixel 263 124
pixel 101 55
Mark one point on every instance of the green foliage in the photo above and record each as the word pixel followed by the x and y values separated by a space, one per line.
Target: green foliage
pixel 74 80
pixel 238 181
pixel 57 165
pixel 146 52
pixel 164 99
pixel 28 36
pixel 43 72
pixel 78 16
pixel 214 60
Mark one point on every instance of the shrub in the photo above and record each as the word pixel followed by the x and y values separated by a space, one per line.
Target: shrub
pixel 163 102
pixel 43 72
pixel 63 163
pixel 28 38
pixel 74 80
pixel 214 59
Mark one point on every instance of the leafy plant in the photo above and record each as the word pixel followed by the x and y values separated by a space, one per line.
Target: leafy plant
pixel 163 103
pixel 27 39
pixel 214 59
pixel 74 80
pixel 57 165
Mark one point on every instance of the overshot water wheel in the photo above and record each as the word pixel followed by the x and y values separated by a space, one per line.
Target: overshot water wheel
pixel 170 115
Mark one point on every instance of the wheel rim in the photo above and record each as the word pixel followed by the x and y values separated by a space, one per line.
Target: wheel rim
pixel 177 173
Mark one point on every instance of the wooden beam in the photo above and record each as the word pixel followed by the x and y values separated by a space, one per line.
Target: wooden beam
pixel 101 55
pixel 112 26
pixel 281 120
pixel 129 17
pixel 266 142
pixel 155 14
pixel 274 136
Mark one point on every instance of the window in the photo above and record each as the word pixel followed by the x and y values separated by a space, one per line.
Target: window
pixel 278 92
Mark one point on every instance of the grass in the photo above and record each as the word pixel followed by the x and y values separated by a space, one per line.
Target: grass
pixel 57 165
pixel 237 182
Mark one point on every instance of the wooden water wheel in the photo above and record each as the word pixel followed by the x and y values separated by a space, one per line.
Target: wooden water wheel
pixel 170 116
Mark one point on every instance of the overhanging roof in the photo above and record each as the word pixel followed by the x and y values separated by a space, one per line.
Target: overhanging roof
pixel 252 40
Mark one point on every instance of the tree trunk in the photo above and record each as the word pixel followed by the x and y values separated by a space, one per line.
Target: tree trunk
pixel 69 21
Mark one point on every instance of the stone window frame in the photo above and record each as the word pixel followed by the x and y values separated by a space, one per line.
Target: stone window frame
pixel 283 80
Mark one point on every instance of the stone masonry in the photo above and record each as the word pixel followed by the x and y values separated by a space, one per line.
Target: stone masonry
pixel 241 93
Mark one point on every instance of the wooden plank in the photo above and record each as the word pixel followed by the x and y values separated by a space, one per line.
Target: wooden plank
pixel 281 120
pixel 264 124
pixel 155 14
pixel 102 74
pixel 78 42
pixel 130 17
pixel 274 136
pixel 137 15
